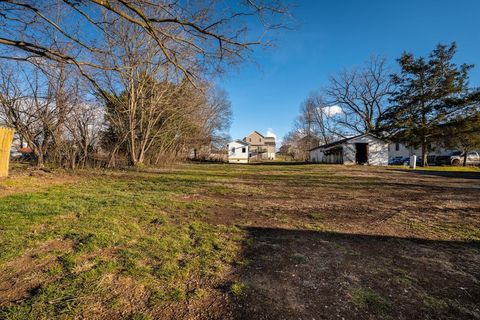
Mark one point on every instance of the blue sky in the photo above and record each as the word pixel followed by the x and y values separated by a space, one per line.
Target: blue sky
pixel 333 35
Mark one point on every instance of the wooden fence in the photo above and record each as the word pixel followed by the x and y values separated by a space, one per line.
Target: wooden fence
pixel 6 138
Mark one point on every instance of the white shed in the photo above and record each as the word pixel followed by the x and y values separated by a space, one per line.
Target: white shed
pixel 362 149
pixel 238 152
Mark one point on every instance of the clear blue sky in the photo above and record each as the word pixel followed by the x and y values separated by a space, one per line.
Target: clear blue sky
pixel 332 35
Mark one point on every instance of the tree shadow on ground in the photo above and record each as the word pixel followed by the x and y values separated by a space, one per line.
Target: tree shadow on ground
pixel 445 174
pixel 294 274
pixel 279 163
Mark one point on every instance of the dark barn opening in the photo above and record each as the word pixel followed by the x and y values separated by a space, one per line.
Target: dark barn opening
pixel 361 156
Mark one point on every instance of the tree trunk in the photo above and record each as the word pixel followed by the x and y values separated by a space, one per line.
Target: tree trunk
pixel 465 158
pixel 40 159
pixel 424 162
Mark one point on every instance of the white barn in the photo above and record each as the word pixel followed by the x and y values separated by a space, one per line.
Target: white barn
pixel 362 149
pixel 238 151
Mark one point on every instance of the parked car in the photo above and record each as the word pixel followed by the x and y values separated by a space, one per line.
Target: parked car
pixel 473 159
pixel 399 160
pixel 22 154
pixel 456 158
pixel 14 154
pixel 403 161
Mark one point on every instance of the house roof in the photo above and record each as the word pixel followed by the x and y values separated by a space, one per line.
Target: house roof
pixel 342 141
pixel 243 143
pixel 25 150
pixel 255 131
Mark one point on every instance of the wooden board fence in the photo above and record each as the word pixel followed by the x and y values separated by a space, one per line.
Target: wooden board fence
pixel 6 139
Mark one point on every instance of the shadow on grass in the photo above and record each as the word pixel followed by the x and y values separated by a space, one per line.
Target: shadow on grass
pixel 445 174
pixel 292 274
pixel 279 163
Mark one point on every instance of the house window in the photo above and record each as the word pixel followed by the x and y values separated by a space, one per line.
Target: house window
pixel 249 139
pixel 244 150
pixel 260 139
pixel 397 146
pixel 233 150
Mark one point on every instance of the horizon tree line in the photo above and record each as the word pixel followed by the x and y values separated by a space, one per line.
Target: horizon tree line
pixel 129 82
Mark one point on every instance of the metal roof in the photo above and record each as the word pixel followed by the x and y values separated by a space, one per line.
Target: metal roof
pixel 239 142
pixel 332 144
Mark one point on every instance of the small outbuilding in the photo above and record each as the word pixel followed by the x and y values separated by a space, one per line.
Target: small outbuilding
pixel 362 149
pixel 238 151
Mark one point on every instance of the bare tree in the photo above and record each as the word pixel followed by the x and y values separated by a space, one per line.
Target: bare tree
pixel 141 57
pixel 141 91
pixel 320 118
pixel 213 32
pixel 83 131
pixel 213 118
pixel 296 145
pixel 28 105
pixel 362 94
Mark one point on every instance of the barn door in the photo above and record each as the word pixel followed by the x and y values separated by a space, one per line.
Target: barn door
pixel 361 155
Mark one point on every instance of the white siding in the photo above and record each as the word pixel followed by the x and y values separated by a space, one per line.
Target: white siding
pixel 377 152
pixel 403 150
pixel 236 152
pixel 406 151
pixel 349 152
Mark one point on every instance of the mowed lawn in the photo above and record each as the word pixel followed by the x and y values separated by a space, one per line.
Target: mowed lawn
pixel 218 241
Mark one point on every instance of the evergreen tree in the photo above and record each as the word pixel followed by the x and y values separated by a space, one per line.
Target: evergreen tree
pixel 428 93
pixel 463 133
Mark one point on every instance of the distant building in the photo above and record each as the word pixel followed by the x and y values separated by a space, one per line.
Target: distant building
pixel 362 149
pixel 398 149
pixel 261 147
pixel 238 152
pixel 254 147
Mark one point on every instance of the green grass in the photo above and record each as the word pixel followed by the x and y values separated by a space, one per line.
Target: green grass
pixel 117 225
pixel 239 289
pixel 144 240
pixel 299 258
pixel 368 299
pixel 435 303
pixel 441 168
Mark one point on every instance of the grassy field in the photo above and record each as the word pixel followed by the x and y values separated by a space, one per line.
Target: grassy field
pixel 208 241
pixel 442 168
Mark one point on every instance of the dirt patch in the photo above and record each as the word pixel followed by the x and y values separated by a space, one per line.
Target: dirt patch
pixel 300 274
pixel 361 201
pixel 384 244
pixel 20 276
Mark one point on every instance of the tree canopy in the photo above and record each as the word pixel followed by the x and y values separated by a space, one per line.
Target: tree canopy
pixel 429 92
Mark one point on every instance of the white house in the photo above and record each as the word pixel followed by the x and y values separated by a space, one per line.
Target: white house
pixel 403 150
pixel 238 151
pixel 261 147
pixel 254 147
pixel 362 149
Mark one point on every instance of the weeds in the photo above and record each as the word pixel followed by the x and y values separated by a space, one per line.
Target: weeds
pixel 365 298
pixel 239 289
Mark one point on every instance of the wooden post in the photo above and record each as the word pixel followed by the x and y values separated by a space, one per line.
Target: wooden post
pixel 6 139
